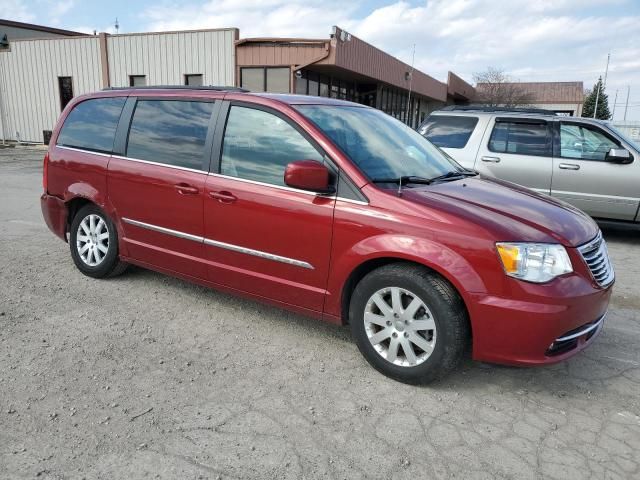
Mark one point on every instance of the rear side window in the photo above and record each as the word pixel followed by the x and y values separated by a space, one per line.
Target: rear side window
pixel 172 132
pixel 258 146
pixel 449 131
pixel 91 125
pixel 520 138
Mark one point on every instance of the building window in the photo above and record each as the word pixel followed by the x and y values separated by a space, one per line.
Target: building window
pixel 252 79
pixel 301 83
pixel 65 86
pixel 137 80
pixel 193 80
pixel 278 80
pixel 265 79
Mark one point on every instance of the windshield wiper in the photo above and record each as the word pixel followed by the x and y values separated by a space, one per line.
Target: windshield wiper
pixel 454 174
pixel 405 179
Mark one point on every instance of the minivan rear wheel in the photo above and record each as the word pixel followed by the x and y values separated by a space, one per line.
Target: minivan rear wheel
pixel 93 240
pixel 409 323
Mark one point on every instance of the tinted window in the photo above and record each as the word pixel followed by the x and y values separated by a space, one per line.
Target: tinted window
pixel 170 131
pixel 91 125
pixel 258 146
pixel 278 80
pixel 520 138
pixel 252 79
pixel 449 131
pixel 584 143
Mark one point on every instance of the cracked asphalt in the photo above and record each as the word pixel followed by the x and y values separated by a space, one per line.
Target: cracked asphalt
pixel 147 376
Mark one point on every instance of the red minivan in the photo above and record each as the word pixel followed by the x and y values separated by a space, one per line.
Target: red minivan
pixel 331 209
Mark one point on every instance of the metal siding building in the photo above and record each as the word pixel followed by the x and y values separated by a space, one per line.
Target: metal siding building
pixel 32 72
pixel 29 75
pixel 165 58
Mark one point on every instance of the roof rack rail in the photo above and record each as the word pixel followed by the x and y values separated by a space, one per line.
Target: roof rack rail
pixel 485 108
pixel 181 87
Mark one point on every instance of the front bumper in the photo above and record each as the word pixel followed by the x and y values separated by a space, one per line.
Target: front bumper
pixel 54 212
pixel 546 330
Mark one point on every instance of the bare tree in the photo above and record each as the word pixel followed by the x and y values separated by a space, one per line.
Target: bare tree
pixel 497 89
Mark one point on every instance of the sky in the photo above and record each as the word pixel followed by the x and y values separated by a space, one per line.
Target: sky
pixel 531 40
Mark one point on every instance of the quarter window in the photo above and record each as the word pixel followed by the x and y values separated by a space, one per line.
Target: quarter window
pixel 584 143
pixel 259 145
pixel 172 132
pixel 449 131
pixel 520 138
pixel 91 125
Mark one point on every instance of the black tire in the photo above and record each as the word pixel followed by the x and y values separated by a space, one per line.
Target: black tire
pixel 110 264
pixel 451 335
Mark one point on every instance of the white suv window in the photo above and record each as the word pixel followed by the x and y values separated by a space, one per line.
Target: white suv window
pixel 584 143
pixel 449 131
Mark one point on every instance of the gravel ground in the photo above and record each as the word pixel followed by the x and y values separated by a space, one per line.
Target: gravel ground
pixel 146 376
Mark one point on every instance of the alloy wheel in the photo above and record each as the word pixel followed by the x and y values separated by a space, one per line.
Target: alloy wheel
pixel 92 240
pixel 400 326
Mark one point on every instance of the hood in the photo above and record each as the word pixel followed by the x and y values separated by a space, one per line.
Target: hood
pixel 510 212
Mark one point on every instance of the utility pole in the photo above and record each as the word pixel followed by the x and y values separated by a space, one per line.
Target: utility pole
pixel 413 59
pixel 606 71
pixel 613 114
pixel 626 107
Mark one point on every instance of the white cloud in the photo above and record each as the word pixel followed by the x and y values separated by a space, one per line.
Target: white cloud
pixel 17 11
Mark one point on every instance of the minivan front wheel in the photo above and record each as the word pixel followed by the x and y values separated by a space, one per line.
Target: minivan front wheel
pixel 409 323
pixel 93 241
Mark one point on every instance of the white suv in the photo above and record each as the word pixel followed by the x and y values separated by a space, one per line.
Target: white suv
pixel 585 162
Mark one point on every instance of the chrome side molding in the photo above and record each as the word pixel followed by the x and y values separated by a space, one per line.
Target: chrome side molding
pixel 215 243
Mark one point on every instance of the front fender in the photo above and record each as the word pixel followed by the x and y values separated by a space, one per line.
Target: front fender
pixel 436 256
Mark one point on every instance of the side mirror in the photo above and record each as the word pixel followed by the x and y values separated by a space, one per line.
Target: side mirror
pixel 308 175
pixel 618 155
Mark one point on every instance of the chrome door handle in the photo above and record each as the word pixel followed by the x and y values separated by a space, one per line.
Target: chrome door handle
pixel 569 166
pixel 223 197
pixel 186 189
pixel 490 159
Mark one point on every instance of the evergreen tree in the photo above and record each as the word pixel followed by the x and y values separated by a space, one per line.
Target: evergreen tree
pixel 603 112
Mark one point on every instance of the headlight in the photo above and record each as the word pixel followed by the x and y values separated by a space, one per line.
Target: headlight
pixel 534 262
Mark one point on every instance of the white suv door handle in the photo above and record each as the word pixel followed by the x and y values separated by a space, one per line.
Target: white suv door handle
pixel 569 166
pixel 491 159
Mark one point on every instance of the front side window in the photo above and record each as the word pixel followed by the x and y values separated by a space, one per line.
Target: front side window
pixel 259 145
pixel 520 138
pixel 172 132
pixel 584 143
pixel 449 131
pixel 91 125
pixel 379 145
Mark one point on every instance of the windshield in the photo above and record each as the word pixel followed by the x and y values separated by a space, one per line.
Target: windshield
pixel 380 145
pixel 623 135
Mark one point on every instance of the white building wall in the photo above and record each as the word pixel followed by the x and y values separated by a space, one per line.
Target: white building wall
pixel 29 71
pixel 576 108
pixel 165 58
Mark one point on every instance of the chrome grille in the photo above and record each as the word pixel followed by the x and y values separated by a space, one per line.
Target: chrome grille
pixel 597 257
